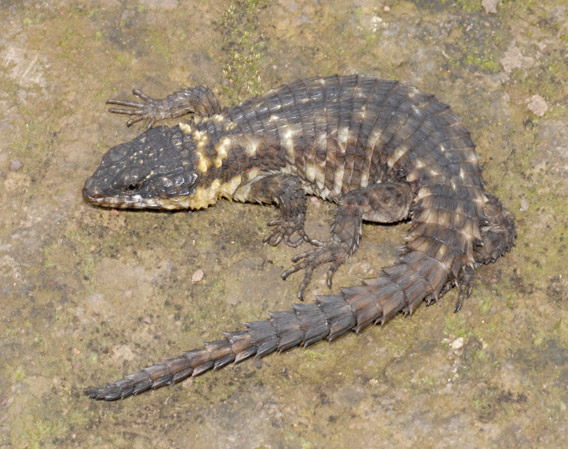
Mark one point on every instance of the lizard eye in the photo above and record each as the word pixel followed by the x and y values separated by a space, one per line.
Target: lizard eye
pixel 131 180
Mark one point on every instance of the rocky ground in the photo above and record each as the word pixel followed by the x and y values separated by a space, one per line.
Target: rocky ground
pixel 90 294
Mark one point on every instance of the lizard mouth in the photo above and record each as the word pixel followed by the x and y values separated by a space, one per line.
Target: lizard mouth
pixel 135 201
pixel 120 201
pixel 91 195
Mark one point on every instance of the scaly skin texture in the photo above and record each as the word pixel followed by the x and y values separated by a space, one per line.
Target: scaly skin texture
pixel 383 151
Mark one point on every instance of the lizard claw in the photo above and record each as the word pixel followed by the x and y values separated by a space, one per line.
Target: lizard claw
pixel 285 230
pixel 331 253
pixel 465 286
pixel 149 109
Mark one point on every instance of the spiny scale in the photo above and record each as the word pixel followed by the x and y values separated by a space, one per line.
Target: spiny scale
pixel 383 151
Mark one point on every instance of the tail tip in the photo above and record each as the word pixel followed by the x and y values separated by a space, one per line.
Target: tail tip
pixel 106 393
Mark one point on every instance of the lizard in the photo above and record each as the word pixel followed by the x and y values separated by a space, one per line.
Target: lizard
pixel 382 151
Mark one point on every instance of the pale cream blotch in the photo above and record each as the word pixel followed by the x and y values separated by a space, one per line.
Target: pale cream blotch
pixel 251 145
pixel 374 136
pixel 318 169
pixel 310 171
pixel 242 192
pixel 287 132
pixel 207 196
pixel 338 179
pixel 222 149
pixel 186 128
pixel 418 166
pixel 230 126
pixel 342 138
pixel 397 154
pixel 201 139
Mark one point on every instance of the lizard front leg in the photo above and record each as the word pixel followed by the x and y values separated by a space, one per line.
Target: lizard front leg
pixel 286 192
pixel 382 203
pixel 200 101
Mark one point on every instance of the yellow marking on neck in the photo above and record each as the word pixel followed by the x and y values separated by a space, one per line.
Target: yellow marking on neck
pixel 175 203
pixel 201 139
pixel 185 127
pixel 222 150
pixel 206 196
pixel 204 163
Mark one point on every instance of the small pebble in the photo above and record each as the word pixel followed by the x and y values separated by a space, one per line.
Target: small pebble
pixel 197 275
pixel 490 6
pixel 537 105
pixel 15 165
pixel 457 343
pixel 524 205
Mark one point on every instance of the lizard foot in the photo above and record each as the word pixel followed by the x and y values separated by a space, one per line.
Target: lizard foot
pixel 331 253
pixel 284 230
pixel 150 109
pixel 465 286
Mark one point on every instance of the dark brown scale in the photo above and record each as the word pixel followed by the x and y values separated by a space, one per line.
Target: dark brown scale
pixel 361 133
pixel 384 152
pixel 331 99
pixel 306 117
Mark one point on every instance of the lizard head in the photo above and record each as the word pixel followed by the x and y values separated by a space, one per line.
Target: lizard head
pixel 153 171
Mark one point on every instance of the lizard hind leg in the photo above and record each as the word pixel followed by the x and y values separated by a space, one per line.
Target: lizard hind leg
pixel 381 203
pixel 498 235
